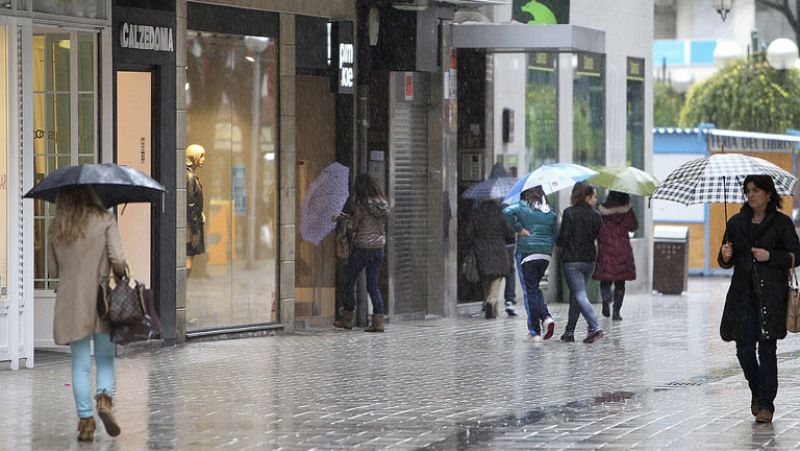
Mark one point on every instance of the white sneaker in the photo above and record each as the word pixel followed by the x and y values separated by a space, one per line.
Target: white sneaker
pixel 549 326
pixel 536 338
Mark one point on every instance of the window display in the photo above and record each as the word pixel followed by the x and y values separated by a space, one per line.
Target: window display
pixel 589 110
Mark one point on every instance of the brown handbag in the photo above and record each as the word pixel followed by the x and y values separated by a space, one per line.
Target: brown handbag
pixel 120 300
pixel 793 301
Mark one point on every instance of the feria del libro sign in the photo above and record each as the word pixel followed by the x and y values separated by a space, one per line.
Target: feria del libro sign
pixel 146 37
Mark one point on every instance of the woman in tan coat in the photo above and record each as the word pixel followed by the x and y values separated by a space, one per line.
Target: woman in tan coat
pixel 85 245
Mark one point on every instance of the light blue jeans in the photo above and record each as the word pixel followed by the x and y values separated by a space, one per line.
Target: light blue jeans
pixel 82 364
pixel 577 275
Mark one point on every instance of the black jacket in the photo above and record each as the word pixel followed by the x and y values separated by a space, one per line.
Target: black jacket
pixel 762 283
pixel 490 233
pixel 579 229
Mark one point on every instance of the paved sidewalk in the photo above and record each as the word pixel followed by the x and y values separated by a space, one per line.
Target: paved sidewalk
pixel 661 379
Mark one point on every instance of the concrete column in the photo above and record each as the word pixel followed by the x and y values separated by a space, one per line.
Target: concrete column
pixel 288 161
pixel 180 171
pixel 564 117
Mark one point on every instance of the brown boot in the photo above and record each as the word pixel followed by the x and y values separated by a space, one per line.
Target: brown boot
pixel 377 324
pixel 764 416
pixel 754 406
pixel 345 322
pixel 104 406
pixel 86 429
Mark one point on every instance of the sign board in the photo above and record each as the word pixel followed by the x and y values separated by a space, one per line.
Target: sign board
pixel 540 12
pixel 635 69
pixel 749 144
pixel 146 37
pixel 408 86
pixel 343 57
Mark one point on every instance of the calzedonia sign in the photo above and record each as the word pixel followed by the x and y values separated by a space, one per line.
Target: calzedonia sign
pixel 146 37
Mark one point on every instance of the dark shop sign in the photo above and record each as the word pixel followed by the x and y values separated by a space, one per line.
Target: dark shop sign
pixel 343 57
pixel 540 12
pixel 146 37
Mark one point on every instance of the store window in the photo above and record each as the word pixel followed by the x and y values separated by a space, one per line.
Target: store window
pixel 541 110
pixel 589 110
pixel 65 111
pixel 4 136
pixel 231 209
pixel 90 9
pixel 635 128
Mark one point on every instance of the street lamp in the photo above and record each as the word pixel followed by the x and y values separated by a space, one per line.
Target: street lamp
pixel 782 54
pixel 723 7
pixel 726 51
pixel 681 79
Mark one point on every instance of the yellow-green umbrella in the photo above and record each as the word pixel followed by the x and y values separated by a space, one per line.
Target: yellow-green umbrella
pixel 625 179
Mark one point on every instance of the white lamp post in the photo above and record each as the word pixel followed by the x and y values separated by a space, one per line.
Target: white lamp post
pixel 723 7
pixel 782 54
pixel 681 79
pixel 726 51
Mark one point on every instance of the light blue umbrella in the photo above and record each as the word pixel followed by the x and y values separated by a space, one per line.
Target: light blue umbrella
pixel 551 177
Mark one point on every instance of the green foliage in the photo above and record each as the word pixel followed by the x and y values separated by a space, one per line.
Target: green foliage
pixel 541 134
pixel 746 95
pixel 667 105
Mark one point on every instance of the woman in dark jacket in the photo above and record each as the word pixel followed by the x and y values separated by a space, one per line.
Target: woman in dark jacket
pixel 579 229
pixel 490 233
pixel 614 253
pixel 759 246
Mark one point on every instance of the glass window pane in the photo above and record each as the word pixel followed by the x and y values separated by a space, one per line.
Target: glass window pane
pixel 231 251
pixel 588 116
pixel 86 115
pixel 58 125
pixel 86 57
pixel 90 9
pixel 635 129
pixel 541 110
pixel 56 62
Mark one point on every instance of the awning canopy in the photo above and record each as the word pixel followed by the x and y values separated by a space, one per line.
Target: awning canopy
pixel 517 37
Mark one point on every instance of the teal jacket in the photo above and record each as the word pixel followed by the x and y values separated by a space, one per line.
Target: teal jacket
pixel 542 226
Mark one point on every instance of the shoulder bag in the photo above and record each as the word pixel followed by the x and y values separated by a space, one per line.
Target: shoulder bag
pixel 120 300
pixel 793 301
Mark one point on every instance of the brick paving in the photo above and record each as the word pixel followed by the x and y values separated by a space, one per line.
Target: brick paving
pixel 661 379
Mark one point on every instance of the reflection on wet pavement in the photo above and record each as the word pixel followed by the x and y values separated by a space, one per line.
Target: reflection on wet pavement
pixel 661 378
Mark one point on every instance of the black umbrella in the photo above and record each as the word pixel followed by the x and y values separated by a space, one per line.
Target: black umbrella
pixel 114 184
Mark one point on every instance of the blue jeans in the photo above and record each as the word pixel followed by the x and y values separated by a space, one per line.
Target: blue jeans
pixel 82 364
pixel 577 275
pixel 519 258
pixel 532 274
pixel 510 294
pixel 761 374
pixel 370 259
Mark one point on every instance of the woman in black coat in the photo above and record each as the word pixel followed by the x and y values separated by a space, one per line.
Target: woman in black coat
pixel 759 246
pixel 490 233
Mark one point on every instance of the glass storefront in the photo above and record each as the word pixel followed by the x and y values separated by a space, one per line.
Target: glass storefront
pixel 541 110
pixel 4 136
pixel 65 111
pixel 635 128
pixel 231 95
pixel 589 110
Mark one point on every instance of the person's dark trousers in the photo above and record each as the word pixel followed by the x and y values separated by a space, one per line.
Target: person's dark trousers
pixel 618 295
pixel 370 259
pixel 510 294
pixel 761 374
pixel 572 316
pixel 533 272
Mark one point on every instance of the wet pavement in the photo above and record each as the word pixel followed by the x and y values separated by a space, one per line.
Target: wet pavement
pixel 661 379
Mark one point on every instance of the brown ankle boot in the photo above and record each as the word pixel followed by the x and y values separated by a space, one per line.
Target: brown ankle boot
pixel 104 406
pixel 86 429
pixel 345 322
pixel 764 416
pixel 377 324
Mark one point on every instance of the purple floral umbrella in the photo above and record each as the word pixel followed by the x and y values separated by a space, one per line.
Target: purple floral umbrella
pixel 326 197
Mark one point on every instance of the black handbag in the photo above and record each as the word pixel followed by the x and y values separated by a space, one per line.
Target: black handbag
pixel 120 300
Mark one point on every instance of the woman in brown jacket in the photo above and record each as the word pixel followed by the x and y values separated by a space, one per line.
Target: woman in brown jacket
pixel 84 246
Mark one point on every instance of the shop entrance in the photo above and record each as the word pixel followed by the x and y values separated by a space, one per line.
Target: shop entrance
pixel 133 146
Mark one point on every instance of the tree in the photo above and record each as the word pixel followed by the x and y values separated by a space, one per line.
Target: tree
pixel 667 105
pixel 782 6
pixel 746 95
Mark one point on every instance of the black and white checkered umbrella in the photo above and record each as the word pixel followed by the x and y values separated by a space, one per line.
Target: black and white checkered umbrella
pixel 718 178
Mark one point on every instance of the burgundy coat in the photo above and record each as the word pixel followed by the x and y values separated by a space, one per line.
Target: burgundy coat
pixel 614 252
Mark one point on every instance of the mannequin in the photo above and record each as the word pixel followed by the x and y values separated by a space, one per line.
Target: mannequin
pixel 195 219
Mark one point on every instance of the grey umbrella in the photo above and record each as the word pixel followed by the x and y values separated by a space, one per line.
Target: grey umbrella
pixel 113 183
